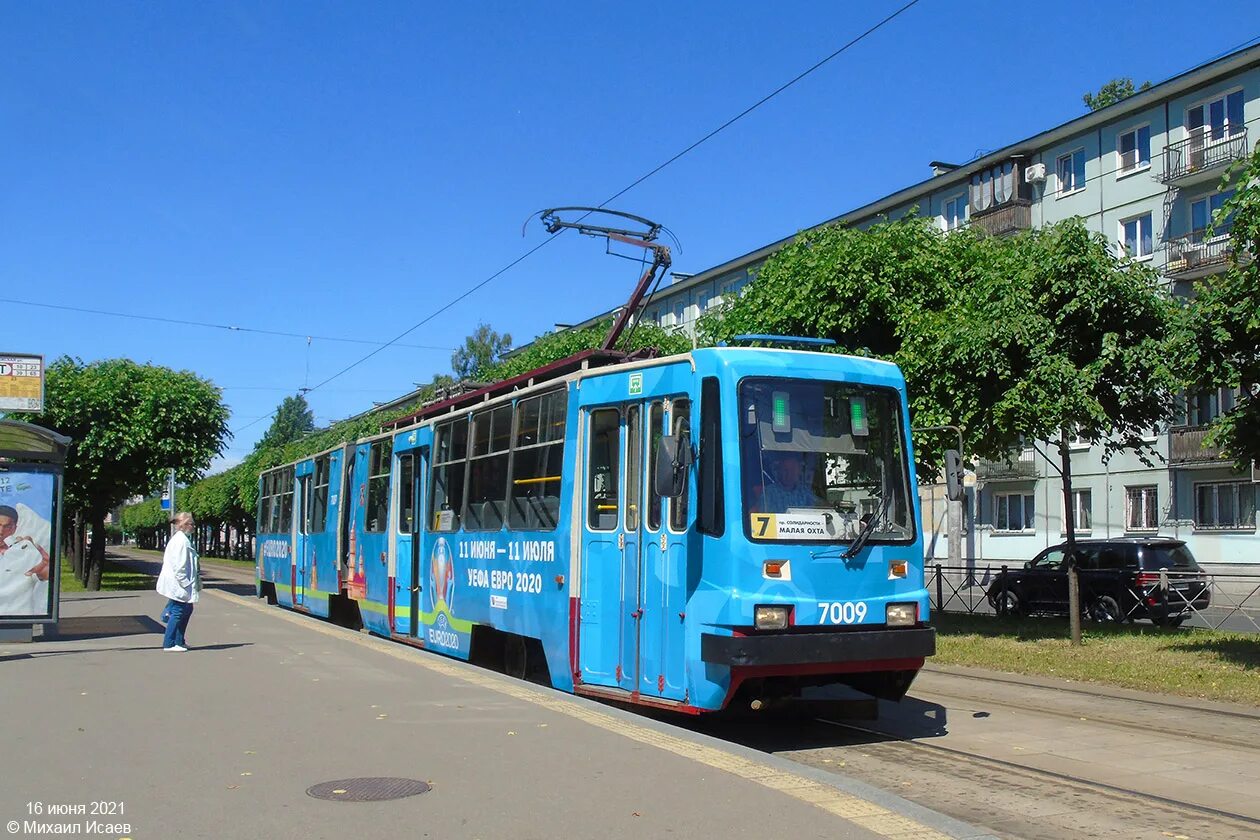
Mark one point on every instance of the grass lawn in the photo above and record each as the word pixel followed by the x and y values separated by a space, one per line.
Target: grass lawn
pixel 157 555
pixel 112 580
pixel 1189 662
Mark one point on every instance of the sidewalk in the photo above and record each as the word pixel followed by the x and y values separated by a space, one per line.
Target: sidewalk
pixel 224 740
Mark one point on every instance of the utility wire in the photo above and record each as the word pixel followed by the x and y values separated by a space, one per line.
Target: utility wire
pixel 228 327
pixel 853 42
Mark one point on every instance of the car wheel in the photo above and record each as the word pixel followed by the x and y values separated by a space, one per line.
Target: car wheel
pixel 1006 604
pixel 1105 610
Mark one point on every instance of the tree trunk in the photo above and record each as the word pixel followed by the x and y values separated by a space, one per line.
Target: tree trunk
pixel 96 556
pixel 1069 522
pixel 76 545
pixel 80 540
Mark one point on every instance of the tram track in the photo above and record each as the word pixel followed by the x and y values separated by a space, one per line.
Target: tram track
pixel 1103 719
pixel 989 679
pixel 1119 795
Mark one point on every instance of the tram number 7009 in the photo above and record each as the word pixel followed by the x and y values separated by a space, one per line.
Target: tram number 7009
pixel 841 612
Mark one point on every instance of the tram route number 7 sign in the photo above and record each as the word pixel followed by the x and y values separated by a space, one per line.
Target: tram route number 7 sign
pixel 21 382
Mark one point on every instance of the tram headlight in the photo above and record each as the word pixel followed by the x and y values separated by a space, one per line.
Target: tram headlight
pixel 901 615
pixel 770 617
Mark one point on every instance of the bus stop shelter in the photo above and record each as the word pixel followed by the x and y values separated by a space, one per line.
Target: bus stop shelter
pixel 32 467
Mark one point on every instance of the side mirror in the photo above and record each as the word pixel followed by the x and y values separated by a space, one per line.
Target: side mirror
pixel 953 475
pixel 673 457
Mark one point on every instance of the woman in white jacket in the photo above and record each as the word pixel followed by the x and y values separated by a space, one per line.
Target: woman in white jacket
pixel 180 581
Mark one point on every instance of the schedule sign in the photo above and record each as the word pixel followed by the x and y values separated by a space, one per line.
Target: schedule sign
pixel 21 382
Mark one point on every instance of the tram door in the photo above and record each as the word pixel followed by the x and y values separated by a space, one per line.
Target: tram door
pixel 412 467
pixel 302 531
pixel 630 558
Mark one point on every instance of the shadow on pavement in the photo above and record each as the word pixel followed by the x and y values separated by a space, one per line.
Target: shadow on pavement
pixel 816 726
pixel 103 626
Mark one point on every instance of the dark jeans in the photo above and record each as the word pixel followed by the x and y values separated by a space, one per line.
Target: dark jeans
pixel 177 624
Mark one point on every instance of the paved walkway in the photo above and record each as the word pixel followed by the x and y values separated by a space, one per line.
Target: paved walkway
pixel 224 740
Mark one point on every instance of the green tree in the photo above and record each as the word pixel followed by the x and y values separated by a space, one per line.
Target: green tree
pixel 1111 93
pixel 481 350
pixel 1040 336
pixel 131 424
pixel 1219 343
pixel 293 419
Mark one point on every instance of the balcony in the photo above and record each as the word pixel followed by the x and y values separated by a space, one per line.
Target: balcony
pixel 1186 447
pixel 1020 467
pixel 1203 155
pixel 1004 219
pixel 1197 254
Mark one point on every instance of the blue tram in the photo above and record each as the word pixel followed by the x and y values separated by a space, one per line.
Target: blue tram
pixel 679 531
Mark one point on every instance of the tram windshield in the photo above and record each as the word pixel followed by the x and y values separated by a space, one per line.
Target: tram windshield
pixel 821 459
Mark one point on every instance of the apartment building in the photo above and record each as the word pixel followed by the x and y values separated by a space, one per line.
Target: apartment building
pixel 1144 172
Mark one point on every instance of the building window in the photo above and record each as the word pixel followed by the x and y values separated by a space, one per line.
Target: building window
pixel 955 213
pixel 1013 512
pixel 1072 172
pixel 1203 215
pixel 1202 407
pixel 1225 504
pixel 1141 509
pixel 1134 149
pixel 995 185
pixel 1135 236
pixel 1218 119
pixel 1082 510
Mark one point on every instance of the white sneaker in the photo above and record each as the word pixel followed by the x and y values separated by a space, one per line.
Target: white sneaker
pixel 177 648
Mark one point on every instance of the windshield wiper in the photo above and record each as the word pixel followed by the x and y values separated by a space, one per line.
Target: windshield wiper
pixel 865 534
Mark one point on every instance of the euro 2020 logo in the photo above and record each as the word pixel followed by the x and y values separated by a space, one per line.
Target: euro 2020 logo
pixel 442 572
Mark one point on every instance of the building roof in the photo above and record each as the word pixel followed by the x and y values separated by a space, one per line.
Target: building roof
pixel 1184 82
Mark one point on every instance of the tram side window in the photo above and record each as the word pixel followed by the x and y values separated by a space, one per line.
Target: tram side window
pixel 407 493
pixel 446 491
pixel 264 505
pixel 634 467
pixel 488 470
pixel 282 504
pixel 712 513
pixel 304 521
pixel 377 513
pixel 656 423
pixel 537 461
pixel 603 470
pixel 680 423
pixel 319 497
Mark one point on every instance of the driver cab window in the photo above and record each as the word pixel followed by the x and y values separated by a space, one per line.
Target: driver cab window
pixel 1049 560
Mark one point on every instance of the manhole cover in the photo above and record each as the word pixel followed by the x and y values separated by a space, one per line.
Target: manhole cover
pixel 366 790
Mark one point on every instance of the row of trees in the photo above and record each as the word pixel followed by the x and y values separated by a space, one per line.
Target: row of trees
pixel 225 504
pixel 1040 336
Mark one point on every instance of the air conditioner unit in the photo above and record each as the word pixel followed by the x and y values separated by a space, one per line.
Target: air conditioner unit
pixel 1035 173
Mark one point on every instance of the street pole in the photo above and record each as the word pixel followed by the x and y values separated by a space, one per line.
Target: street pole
pixel 1069 521
pixel 953 508
pixel 170 489
pixel 953 516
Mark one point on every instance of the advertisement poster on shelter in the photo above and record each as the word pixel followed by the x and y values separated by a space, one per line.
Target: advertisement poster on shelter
pixel 26 523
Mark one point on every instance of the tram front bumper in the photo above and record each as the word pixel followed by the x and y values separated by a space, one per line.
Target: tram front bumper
pixel 851 646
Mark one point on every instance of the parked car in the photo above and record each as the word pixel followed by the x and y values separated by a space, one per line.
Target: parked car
pixel 1121 580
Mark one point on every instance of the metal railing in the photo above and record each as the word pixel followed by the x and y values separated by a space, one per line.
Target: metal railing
pixel 1206 148
pixel 1186 446
pixel 1197 252
pixel 1009 217
pixel 1191 599
pixel 1021 465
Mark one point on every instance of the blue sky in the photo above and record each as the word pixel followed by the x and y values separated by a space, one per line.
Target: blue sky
pixel 344 169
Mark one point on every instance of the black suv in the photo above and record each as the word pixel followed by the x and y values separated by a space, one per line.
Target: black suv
pixel 1121 579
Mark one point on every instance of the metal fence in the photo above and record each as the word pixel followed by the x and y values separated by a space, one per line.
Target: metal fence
pixel 1200 599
